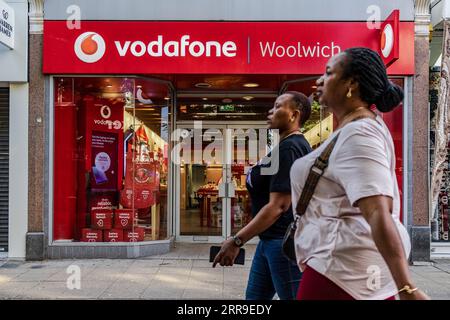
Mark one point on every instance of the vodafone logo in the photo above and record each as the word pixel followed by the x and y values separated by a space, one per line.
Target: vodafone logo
pixel 89 47
pixel 387 40
pixel 105 112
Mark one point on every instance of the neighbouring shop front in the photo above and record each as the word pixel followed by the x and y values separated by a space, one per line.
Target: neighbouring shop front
pixel 154 124
pixel 439 146
pixel 13 127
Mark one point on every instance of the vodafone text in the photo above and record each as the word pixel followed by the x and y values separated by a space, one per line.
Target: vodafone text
pixel 179 48
pixel 185 47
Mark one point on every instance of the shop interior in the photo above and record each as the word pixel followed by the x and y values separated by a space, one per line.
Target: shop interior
pixel 227 100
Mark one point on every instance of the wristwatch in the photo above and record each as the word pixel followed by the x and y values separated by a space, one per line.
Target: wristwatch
pixel 237 241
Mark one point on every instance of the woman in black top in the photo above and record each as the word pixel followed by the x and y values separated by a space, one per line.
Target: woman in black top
pixel 271 205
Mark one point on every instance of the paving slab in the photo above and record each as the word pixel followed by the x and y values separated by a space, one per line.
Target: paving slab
pixel 131 288
pixel 12 290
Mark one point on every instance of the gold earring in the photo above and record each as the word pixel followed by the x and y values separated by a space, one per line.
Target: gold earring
pixel 349 93
pixel 292 119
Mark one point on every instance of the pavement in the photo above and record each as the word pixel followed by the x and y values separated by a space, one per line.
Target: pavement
pixel 183 273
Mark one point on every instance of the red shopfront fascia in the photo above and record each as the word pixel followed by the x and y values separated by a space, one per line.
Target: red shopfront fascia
pixel 114 48
pixel 137 47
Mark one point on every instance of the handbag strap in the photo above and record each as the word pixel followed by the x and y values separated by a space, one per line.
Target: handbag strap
pixel 316 171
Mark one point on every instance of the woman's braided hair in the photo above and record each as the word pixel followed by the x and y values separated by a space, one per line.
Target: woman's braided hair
pixel 366 67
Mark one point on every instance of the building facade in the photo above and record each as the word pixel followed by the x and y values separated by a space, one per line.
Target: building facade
pixel 145 116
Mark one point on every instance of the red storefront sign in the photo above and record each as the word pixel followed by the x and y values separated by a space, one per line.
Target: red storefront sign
pixel 389 38
pixel 139 47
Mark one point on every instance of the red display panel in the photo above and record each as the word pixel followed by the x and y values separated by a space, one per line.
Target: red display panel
pixel 394 121
pixel 65 178
pixel 100 125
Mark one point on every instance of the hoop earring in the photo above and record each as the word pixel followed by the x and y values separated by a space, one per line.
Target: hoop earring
pixel 349 93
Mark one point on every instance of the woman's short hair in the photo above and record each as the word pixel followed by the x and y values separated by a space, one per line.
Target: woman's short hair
pixel 302 103
pixel 366 67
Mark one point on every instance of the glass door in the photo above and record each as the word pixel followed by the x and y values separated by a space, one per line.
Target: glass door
pixel 247 144
pixel 211 163
pixel 201 174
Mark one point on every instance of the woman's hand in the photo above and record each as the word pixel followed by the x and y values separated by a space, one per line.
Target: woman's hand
pixel 279 202
pixel 377 211
pixel 227 254
pixel 416 295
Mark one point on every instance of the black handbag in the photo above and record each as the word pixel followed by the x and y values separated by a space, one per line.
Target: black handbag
pixel 316 171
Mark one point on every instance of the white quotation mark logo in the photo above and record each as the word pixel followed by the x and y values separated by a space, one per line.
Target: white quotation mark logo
pixel 387 40
pixel 374 280
pixel 74 280
pixel 89 47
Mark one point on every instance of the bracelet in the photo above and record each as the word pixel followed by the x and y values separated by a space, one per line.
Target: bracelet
pixel 408 289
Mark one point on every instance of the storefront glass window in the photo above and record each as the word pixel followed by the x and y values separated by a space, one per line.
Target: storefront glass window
pixel 111 142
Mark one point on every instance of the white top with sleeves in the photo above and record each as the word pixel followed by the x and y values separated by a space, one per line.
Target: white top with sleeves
pixel 332 236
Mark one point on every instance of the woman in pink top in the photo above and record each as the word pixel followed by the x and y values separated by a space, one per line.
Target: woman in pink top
pixel 350 243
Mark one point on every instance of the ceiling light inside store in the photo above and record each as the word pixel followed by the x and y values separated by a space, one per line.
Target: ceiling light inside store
pixel 166 98
pixel 139 86
pixel 251 85
pixel 202 85
pixel 204 99
pixel 227 100
pixel 314 87
pixel 248 98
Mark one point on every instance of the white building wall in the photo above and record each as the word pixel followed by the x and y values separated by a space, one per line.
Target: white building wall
pixel 18 170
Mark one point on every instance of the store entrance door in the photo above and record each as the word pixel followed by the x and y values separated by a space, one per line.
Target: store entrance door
pixel 211 161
